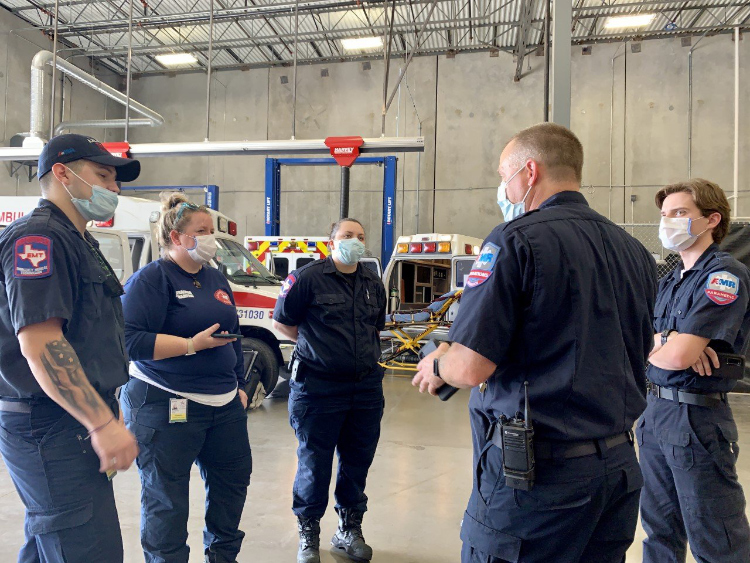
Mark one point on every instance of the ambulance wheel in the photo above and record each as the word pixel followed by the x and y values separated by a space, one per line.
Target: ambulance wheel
pixel 264 374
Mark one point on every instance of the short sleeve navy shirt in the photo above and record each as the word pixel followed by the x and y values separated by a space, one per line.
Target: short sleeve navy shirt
pixel 49 270
pixel 709 300
pixel 339 318
pixel 562 298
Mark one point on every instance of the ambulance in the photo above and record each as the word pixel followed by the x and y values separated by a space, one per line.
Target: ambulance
pixel 129 241
pixel 425 266
pixel 284 254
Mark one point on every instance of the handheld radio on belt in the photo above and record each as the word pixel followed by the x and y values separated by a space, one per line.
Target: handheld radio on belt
pixel 517 435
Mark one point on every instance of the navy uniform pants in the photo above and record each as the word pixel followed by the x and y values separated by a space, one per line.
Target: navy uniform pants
pixel 70 506
pixel 580 510
pixel 216 439
pixel 334 416
pixel 691 492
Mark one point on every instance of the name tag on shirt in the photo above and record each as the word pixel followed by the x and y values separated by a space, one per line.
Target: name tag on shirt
pixel 177 410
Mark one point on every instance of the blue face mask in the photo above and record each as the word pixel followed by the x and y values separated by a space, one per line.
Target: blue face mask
pixel 100 207
pixel 510 210
pixel 348 251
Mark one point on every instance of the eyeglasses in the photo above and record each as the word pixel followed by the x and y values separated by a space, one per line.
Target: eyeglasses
pixel 187 205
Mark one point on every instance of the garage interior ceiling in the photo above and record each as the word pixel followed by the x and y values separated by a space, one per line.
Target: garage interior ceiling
pixel 261 33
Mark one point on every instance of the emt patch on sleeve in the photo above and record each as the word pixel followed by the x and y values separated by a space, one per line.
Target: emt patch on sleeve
pixel 722 288
pixel 287 284
pixel 483 265
pixel 33 257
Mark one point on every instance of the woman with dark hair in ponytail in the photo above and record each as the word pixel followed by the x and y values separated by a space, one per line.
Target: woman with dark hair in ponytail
pixel 334 309
pixel 185 401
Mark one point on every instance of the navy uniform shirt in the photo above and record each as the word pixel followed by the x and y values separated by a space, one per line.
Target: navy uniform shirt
pixel 562 298
pixel 162 298
pixel 49 270
pixel 708 300
pixel 339 318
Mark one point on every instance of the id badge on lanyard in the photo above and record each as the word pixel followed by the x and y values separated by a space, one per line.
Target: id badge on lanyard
pixel 178 410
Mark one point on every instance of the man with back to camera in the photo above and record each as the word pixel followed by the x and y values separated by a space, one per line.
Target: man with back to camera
pixel 687 437
pixel 562 298
pixel 62 356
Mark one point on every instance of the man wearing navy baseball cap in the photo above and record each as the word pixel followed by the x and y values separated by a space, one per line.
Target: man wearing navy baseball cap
pixel 62 357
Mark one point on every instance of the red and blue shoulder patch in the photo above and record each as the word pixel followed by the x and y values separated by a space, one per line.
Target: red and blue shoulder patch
pixel 722 287
pixel 483 265
pixel 287 284
pixel 32 257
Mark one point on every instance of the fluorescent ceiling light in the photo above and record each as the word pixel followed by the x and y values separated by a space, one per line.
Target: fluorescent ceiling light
pixel 176 59
pixel 362 43
pixel 635 20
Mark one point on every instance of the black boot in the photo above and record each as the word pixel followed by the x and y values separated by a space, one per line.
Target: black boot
pixel 309 540
pixel 348 539
pixel 212 557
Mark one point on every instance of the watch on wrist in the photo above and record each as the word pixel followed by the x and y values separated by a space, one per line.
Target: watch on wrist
pixel 190 347
pixel 665 336
pixel 436 367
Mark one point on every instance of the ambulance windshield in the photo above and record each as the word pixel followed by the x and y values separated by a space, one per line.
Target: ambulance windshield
pixel 240 266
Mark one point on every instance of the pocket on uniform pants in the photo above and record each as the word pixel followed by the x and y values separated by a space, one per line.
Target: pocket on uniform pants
pixel 488 472
pixel 556 496
pixel 490 541
pixel 639 430
pixel 676 448
pixel 46 521
pixel 143 434
pixel 721 514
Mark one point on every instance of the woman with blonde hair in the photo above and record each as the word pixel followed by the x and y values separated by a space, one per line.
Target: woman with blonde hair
pixel 185 401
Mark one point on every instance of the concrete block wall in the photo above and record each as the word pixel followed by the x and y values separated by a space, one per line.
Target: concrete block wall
pixel 629 109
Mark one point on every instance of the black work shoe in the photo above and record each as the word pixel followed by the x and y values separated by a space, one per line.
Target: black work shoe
pixel 348 539
pixel 309 540
pixel 212 557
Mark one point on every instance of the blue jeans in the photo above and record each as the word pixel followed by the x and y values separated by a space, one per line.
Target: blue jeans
pixel 691 492
pixel 70 507
pixel 216 439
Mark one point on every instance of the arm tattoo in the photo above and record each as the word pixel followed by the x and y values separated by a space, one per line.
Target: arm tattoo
pixel 64 370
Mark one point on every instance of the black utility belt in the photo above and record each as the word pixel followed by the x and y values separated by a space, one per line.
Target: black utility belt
pixel 696 398
pixel 570 450
pixel 24 405
pixel 300 371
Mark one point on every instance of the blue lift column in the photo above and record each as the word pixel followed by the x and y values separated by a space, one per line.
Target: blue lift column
pixel 273 198
pixel 273 195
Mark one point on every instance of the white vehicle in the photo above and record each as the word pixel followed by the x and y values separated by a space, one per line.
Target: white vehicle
pixel 129 241
pixel 284 254
pixel 425 266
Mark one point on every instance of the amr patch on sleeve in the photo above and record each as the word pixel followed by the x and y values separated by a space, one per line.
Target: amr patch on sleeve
pixel 287 284
pixel 483 265
pixel 722 288
pixel 32 257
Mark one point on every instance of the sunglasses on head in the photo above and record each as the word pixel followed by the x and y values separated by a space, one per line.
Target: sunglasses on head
pixel 186 205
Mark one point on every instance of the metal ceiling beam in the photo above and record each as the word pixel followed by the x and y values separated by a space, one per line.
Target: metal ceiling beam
pixel 522 36
pixel 243 13
pixel 307 35
pixel 321 6
pixel 330 59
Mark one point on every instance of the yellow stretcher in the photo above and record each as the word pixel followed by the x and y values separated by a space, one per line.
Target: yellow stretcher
pixel 406 332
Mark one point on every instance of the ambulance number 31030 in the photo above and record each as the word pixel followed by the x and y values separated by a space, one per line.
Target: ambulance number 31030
pixel 254 314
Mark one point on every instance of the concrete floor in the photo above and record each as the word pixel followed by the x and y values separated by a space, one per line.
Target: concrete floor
pixel 418 487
